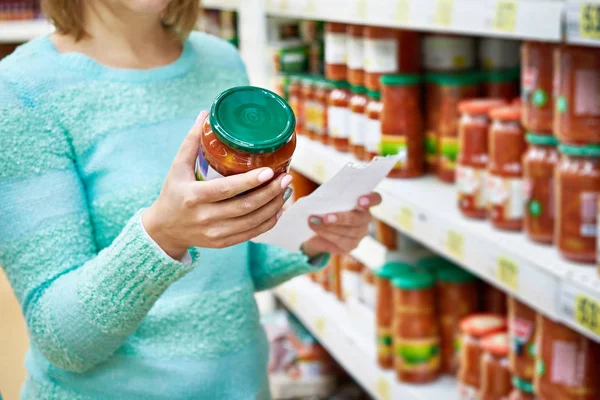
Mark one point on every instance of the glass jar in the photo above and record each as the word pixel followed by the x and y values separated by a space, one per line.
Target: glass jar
pixel 367 289
pixel 384 310
pixel 521 332
pixel 523 390
pixel 473 329
pixel 499 54
pixel 322 96
pixel 358 121
pixel 473 156
pixel 385 234
pixel 577 188
pixel 373 126
pixel 494 300
pixel 296 102
pixel 502 84
pixel 444 92
pixel 351 277
pixel 496 383
pixel 457 297
pixel 389 51
pixel 356 58
pixel 339 115
pixel 335 51
pixel 402 124
pixel 536 86
pixel 248 128
pixel 538 171
pixel 302 185
pixel 577 78
pixel 416 332
pixel 448 52
pixel 309 92
pixel 567 365
pixel 504 191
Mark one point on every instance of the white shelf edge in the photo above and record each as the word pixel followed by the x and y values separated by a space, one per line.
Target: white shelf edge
pixel 22 31
pixel 224 5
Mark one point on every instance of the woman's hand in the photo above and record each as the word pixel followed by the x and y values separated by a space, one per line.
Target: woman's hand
pixel 208 214
pixel 340 233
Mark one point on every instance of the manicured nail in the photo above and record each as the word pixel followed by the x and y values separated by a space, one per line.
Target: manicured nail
pixel 279 214
pixel 315 220
pixel 285 182
pixel 363 202
pixel 265 175
pixel 331 219
pixel 201 117
pixel 287 194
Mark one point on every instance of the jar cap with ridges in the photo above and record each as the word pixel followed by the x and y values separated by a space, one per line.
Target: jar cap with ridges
pixel 374 94
pixel 582 151
pixel 400 79
pixel 414 280
pixel 391 269
pixel 359 89
pixel 454 274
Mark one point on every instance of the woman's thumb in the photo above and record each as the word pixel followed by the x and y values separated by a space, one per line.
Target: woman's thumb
pixel 189 148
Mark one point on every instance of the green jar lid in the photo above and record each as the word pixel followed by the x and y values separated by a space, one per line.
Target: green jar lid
pixel 582 151
pixel 414 280
pixel 503 75
pixel 374 94
pixel 455 79
pixel 340 84
pixel 391 269
pixel 324 83
pixel 454 274
pixel 307 79
pixel 359 89
pixel 432 263
pixel 542 140
pixel 252 119
pixel 522 385
pixel 400 79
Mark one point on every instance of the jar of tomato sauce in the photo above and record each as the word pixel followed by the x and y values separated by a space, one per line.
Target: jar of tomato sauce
pixel 335 51
pixel 496 383
pixel 339 115
pixel 448 52
pixel 402 124
pixel 302 185
pixel 309 97
pixel 472 161
pixel 416 332
pixel 505 194
pixel 566 363
pixel 577 191
pixel 356 57
pixel 523 390
pixel 373 126
pixel 577 78
pixel 351 277
pixel 358 121
pixel 295 101
pixel 521 332
pixel 538 171
pixel 502 84
pixel 384 310
pixel 248 128
pixel 536 86
pixel 473 329
pixel 389 51
pixel 322 96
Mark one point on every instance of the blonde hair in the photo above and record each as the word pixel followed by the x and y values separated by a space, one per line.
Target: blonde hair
pixel 180 16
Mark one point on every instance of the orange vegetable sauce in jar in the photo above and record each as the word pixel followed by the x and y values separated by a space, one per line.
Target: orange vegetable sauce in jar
pixel 496 383
pixel 358 121
pixel 471 164
pixel 356 57
pixel 448 53
pixel 296 102
pixel 536 86
pixel 322 95
pixel 389 51
pixel 501 84
pixel 373 126
pixel 577 191
pixel 416 332
pixel 567 365
pixel 473 329
pixel 386 235
pixel 335 51
pixel 577 110
pixel 302 185
pixel 402 124
pixel 523 390
pixel 351 277
pixel 521 332
pixel 309 92
pixel 538 172
pixel 248 128
pixel 504 191
pixel 339 115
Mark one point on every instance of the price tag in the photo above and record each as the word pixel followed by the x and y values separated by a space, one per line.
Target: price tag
pixel 320 326
pixel 361 9
pixel 320 171
pixel 505 15
pixel 442 15
pixel 589 21
pixel 587 313
pixel 455 245
pixel 405 219
pixel 403 11
pixel 383 389
pixel 507 272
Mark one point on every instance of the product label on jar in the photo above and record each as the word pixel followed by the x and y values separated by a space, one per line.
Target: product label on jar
pixel 470 183
pixel 589 204
pixel 392 145
pixel 356 57
pixel 311 369
pixel 373 135
pixel 499 54
pixel 358 126
pixel 448 152
pixel 505 197
pixel 587 92
pixel 350 284
pixel 204 172
pixel 567 367
pixel 319 118
pixel 431 147
pixel 311 115
pixel 417 355
pixel 520 332
pixel 448 53
pixel 337 122
pixel 381 55
pixel 528 83
pixel 384 342
pixel 335 48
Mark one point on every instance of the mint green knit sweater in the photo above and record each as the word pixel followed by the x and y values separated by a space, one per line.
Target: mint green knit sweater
pixel 83 149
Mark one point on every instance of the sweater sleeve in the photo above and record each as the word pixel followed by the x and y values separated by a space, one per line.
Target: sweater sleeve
pixel 79 304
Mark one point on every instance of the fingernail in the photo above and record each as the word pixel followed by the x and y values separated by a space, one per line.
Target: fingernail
pixel 201 117
pixel 279 214
pixel 331 219
pixel 287 194
pixel 285 182
pixel 265 175
pixel 363 201
pixel 315 220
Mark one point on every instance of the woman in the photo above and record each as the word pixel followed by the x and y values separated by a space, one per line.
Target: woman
pixel 93 123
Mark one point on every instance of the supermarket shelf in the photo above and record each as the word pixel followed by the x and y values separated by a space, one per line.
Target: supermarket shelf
pixel 523 19
pixel 225 5
pixel 371 253
pixel 338 328
pixel 425 209
pixel 22 31
pixel 581 27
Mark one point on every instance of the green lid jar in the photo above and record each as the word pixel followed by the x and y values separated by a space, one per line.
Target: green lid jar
pixel 454 274
pixel 432 264
pixel 358 89
pixel 414 280
pixel 247 128
pixel 391 269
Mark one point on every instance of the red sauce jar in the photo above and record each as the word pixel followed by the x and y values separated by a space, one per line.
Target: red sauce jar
pixel 494 299
pixel 322 97
pixel 309 96
pixel 358 121
pixel 338 111
pixel 536 86
pixel 577 111
pixel 335 51
pixel 505 194
pixel 471 164
pixel 295 101
pixel 502 84
pixel 539 163
pixel 521 332
pixel 373 126
pixel 356 57
pixel 496 383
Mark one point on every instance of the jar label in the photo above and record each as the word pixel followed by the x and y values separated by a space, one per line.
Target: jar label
pixel 350 284
pixel 373 135
pixel 431 147
pixel 520 332
pixel 356 58
pixel 319 116
pixel 587 92
pixel 337 122
pixel 335 48
pixel 448 152
pixel 589 204
pixel 381 55
pixel 358 126
pixel 392 145
pixel 204 172
pixel 417 355
pixel 384 342
pixel 448 53
pixel 312 369
pixel 471 187
pixel 495 54
pixel 505 198
pixel 568 364
pixel 310 115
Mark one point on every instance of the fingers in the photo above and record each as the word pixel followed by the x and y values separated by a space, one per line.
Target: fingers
pixel 344 243
pixel 248 222
pixel 370 200
pixel 349 218
pixel 343 231
pixel 189 148
pixel 319 244
pixel 250 234
pixel 231 186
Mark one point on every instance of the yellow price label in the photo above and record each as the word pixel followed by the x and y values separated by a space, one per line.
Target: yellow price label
pixel 403 11
pixel 507 272
pixel 361 9
pixel 587 313
pixel 320 171
pixel 589 21
pixel 405 219
pixel 505 16
pixel 320 326
pixel 383 388
pixel 455 245
pixel 442 15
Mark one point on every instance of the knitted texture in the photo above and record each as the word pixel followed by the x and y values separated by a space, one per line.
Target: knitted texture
pixel 83 149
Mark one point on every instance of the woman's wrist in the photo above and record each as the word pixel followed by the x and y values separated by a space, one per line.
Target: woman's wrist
pixel 157 232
